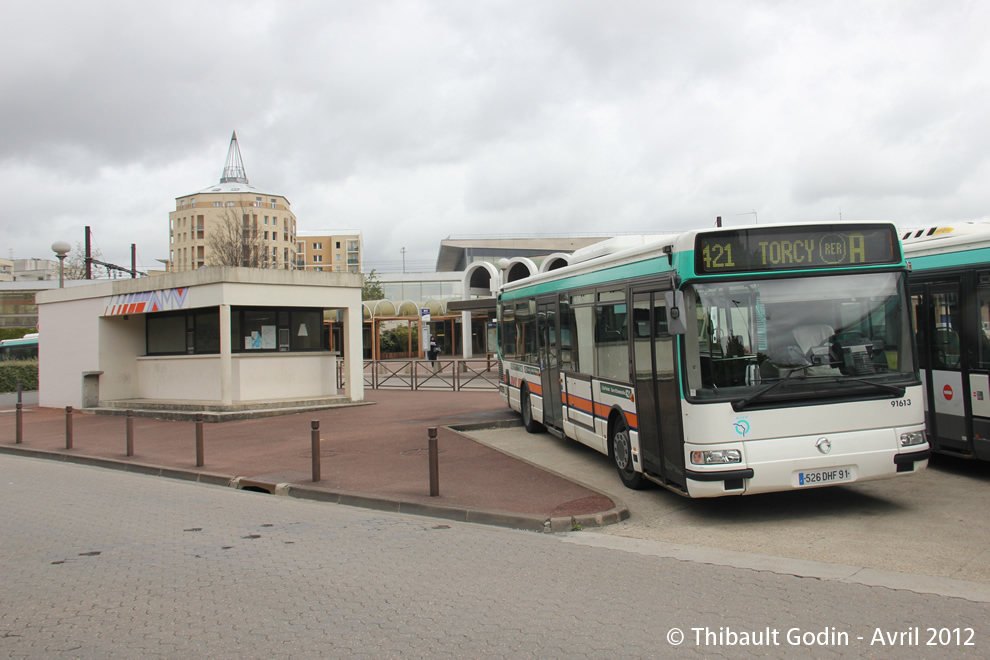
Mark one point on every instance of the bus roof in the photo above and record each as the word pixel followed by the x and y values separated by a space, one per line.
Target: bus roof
pixel 629 256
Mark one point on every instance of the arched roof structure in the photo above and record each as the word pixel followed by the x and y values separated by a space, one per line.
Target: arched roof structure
pixel 555 261
pixel 519 268
pixel 481 279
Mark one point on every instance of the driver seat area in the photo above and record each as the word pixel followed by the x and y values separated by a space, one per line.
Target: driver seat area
pixel 809 336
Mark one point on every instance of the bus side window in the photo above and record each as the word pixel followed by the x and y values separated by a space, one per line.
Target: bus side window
pixel 983 332
pixel 946 338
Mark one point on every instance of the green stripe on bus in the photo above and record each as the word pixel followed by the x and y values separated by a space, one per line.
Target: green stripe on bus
pixel 950 259
pixel 615 274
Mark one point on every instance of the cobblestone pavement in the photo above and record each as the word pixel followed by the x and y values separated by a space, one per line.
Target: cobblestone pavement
pixel 104 564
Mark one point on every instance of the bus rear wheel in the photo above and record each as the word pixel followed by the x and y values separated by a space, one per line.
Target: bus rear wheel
pixel 622 455
pixel 526 409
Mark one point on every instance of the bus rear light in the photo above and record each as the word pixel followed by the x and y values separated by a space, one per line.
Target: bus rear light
pixel 716 457
pixel 913 438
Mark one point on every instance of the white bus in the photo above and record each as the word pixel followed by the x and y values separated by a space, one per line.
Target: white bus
pixel 950 292
pixel 724 361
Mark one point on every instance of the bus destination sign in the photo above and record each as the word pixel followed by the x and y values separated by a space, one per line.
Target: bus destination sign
pixel 792 248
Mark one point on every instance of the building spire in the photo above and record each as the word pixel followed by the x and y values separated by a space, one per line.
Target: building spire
pixel 233 169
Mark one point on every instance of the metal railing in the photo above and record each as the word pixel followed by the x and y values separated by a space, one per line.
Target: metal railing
pixel 453 375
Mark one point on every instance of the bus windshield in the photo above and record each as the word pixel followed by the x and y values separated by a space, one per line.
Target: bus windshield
pixel 763 341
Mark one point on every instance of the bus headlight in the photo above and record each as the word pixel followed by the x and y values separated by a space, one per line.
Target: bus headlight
pixel 716 457
pixel 913 438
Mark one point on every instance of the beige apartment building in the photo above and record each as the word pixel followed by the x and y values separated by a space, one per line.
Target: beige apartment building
pixel 337 251
pixel 232 223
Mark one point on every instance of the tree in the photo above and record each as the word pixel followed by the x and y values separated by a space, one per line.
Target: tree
pixel 372 289
pixel 74 267
pixel 237 242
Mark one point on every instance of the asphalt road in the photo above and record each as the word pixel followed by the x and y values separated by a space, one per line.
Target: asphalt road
pixel 932 523
pixel 105 564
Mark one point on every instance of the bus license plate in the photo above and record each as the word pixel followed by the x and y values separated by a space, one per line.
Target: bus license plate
pixel 835 475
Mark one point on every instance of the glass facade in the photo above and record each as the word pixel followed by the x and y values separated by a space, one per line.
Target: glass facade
pixel 252 329
pixel 17 309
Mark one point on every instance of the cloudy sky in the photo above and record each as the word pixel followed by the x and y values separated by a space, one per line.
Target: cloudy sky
pixel 416 120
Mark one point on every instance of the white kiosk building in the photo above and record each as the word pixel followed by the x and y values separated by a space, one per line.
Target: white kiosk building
pixel 216 339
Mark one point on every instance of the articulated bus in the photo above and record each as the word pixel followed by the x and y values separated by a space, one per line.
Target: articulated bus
pixel 25 348
pixel 724 361
pixel 950 292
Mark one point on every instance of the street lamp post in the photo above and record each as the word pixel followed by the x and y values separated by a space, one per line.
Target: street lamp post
pixel 61 248
pixel 403 251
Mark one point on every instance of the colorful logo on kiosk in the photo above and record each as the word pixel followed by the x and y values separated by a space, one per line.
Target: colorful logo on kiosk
pixel 147 301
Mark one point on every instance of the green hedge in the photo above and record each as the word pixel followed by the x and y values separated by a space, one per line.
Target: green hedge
pixel 15 333
pixel 25 370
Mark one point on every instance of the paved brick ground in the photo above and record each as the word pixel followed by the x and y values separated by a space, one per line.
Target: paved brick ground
pixel 377 450
pixel 102 564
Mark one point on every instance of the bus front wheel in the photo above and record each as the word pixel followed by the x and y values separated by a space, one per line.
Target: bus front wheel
pixel 621 447
pixel 526 409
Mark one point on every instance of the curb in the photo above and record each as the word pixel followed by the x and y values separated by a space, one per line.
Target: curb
pixel 550 525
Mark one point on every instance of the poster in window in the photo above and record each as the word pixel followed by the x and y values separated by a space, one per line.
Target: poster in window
pixel 268 336
pixel 253 341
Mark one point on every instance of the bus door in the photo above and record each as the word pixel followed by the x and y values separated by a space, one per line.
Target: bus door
pixel 939 325
pixel 658 401
pixel 979 369
pixel 549 350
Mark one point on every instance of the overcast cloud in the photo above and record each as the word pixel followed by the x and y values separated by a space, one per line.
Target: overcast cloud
pixel 412 121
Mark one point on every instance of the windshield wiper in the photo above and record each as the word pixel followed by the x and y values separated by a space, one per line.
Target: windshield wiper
pixel 899 391
pixel 745 401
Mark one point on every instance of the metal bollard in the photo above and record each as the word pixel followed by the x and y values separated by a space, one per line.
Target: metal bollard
pixel 199 440
pixel 130 432
pixel 434 463
pixel 314 440
pixel 19 424
pixel 68 427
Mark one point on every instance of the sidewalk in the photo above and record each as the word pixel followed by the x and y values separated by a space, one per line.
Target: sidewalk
pixel 373 456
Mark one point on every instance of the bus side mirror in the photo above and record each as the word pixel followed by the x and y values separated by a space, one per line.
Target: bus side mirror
pixel 675 312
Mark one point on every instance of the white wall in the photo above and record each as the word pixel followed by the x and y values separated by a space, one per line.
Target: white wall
pixel 188 377
pixel 122 340
pixel 68 346
pixel 283 376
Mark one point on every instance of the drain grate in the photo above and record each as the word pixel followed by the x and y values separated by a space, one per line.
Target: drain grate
pixel 419 452
pixel 324 453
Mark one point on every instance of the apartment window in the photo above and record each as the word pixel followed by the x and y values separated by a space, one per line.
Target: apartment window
pixel 285 256
pixel 338 245
pixel 200 233
pixel 336 257
pixel 217 203
pixel 317 246
pixel 352 246
pixel 273 204
pixel 319 268
pixel 266 235
pixel 317 258
pixel 257 201
pixel 182 205
pixel 192 203
pixel 230 203
pixel 266 219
